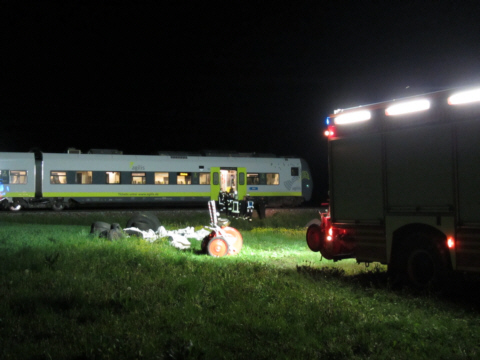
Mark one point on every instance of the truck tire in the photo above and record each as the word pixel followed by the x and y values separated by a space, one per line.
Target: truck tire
pixel 144 222
pixel 100 229
pixel 315 237
pixel 424 265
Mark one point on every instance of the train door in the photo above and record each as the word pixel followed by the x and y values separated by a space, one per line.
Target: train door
pixel 214 183
pixel 228 180
pixel 233 180
pixel 241 182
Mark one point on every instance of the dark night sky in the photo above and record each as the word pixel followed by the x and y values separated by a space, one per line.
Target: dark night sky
pixel 143 76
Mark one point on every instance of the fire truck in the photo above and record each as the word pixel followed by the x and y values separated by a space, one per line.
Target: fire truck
pixel 404 186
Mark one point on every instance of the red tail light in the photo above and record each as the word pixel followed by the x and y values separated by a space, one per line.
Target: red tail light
pixel 451 243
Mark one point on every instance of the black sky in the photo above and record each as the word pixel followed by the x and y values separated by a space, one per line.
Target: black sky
pixel 143 76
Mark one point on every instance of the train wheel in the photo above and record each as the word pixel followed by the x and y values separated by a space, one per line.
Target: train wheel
pixel 15 206
pixel 238 243
pixel 217 247
pixel 58 205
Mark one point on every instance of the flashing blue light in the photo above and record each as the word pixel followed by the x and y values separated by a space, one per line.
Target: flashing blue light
pixel 327 120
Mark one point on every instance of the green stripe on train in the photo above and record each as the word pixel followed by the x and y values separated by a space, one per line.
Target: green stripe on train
pixel 154 194
pixel 265 194
pixel 19 194
pixel 125 194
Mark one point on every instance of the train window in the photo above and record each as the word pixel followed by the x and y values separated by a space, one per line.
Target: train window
pixel 112 177
pixel 204 179
pixel 295 171
pixel 83 177
pixel 241 179
pixel 216 178
pixel 253 179
pixel 4 177
pixel 18 177
pixel 273 179
pixel 263 179
pixel 184 178
pixel 139 178
pixel 161 178
pixel 58 177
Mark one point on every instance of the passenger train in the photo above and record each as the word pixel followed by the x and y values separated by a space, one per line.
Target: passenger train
pixel 100 177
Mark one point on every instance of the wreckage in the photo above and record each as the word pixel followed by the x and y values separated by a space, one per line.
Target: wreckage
pixel 218 239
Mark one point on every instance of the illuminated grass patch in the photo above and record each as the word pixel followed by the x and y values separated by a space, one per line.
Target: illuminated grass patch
pixel 67 294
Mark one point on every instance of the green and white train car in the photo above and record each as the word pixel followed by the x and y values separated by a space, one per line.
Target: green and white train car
pixel 48 180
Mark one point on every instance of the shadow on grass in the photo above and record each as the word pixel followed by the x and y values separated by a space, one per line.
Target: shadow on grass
pixel 460 290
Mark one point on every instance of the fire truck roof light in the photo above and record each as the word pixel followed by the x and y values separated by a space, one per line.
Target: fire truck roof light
pixel 408 107
pixel 464 97
pixel 353 117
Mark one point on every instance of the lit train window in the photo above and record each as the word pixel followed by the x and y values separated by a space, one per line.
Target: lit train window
pixel 139 178
pixel 83 177
pixel 204 179
pixel 273 179
pixel 161 178
pixel 253 179
pixel 112 177
pixel 184 178
pixel 18 177
pixel 58 177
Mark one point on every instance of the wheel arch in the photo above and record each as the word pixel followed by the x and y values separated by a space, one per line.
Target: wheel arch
pixel 419 236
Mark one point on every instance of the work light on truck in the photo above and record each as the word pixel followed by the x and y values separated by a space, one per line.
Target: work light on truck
pixel 464 97
pixel 408 107
pixel 353 117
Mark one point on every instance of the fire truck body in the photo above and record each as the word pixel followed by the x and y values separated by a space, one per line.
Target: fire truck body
pixel 404 186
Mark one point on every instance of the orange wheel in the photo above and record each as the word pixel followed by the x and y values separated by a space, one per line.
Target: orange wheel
pixel 238 243
pixel 217 247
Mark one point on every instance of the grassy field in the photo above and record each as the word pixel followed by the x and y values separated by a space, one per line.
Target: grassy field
pixel 65 294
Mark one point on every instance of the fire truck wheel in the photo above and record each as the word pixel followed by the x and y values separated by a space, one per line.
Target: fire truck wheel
pixel 424 268
pixel 315 237
pixel 217 247
pixel 238 243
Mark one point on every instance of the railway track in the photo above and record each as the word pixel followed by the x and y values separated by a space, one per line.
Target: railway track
pixel 85 211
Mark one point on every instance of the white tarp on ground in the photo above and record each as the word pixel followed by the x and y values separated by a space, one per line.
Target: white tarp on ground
pixel 178 238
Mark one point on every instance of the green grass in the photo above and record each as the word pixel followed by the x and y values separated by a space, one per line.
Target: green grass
pixel 65 294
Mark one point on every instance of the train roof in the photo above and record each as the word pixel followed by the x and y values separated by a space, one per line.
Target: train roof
pixel 183 154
